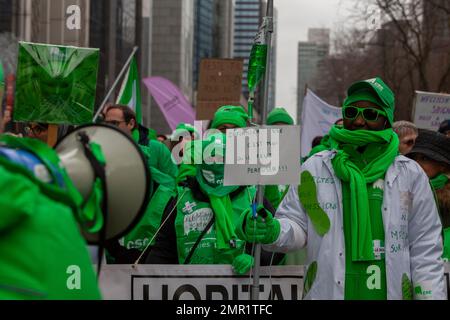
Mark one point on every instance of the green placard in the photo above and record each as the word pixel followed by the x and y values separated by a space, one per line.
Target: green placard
pixel 55 84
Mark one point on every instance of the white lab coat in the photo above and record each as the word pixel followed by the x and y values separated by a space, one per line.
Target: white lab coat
pixel 413 243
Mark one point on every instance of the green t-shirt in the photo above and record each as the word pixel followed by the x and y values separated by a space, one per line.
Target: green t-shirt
pixel 365 280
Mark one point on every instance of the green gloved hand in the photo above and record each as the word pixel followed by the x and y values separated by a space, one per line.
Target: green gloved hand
pixel 260 230
pixel 243 263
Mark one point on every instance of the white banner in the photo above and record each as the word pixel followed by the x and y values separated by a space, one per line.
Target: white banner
pixel 430 109
pixel 317 119
pixel 197 282
pixel 267 155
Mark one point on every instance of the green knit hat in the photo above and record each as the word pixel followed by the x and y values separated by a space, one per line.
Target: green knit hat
pixel 375 91
pixel 279 115
pixel 235 115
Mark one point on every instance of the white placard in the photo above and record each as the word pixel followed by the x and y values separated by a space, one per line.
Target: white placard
pixel 430 109
pixel 197 282
pixel 266 155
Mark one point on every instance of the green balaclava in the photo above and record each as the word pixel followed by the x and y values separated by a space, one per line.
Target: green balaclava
pixel 375 91
pixel 279 115
pixel 210 175
pixel 235 115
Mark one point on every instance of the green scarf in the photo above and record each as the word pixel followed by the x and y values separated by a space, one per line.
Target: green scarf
pixel 439 181
pixel 219 197
pixel 346 170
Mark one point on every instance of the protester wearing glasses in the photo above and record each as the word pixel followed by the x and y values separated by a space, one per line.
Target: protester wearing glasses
pixel 365 214
pixel 37 131
pixel 407 134
pixel 163 173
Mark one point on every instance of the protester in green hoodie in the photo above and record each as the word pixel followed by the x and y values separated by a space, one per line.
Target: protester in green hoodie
pixel 43 255
pixel 201 220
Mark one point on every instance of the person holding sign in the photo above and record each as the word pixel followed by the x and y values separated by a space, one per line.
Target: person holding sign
pixel 432 153
pixel 366 215
pixel 198 225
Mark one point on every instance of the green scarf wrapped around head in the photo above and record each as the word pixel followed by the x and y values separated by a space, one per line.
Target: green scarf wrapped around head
pixel 210 176
pixel 347 171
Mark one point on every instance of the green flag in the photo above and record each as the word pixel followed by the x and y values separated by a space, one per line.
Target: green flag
pixel 130 91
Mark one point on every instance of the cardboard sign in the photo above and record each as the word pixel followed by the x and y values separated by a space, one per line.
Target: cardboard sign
pixel 267 155
pixel 55 84
pixel 197 282
pixel 220 83
pixel 430 109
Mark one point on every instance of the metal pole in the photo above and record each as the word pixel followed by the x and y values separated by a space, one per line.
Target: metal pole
pixel 115 83
pixel 254 292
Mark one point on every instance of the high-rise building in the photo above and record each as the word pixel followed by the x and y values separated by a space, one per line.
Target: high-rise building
pixel 203 38
pixel 311 54
pixel 6 14
pixel 223 29
pixel 172 49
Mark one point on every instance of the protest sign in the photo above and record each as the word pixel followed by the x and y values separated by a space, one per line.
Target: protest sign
pixel 220 83
pixel 196 282
pixel 267 155
pixel 317 119
pixel 430 109
pixel 55 84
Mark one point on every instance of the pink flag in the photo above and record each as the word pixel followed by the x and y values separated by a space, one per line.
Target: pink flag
pixel 172 102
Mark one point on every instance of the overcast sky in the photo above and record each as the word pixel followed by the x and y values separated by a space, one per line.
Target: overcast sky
pixel 294 19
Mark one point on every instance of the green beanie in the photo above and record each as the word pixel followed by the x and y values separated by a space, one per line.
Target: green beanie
pixel 375 91
pixel 235 115
pixel 279 115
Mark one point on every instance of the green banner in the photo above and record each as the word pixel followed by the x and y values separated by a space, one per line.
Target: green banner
pixel 55 84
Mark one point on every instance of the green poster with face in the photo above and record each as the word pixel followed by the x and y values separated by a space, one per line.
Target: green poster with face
pixel 55 84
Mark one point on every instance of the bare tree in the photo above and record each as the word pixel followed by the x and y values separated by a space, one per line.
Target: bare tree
pixel 409 49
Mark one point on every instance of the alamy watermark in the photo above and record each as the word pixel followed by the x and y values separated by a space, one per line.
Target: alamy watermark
pixel 73 19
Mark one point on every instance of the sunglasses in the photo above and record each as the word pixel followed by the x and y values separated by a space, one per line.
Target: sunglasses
pixel 369 114
pixel 34 130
